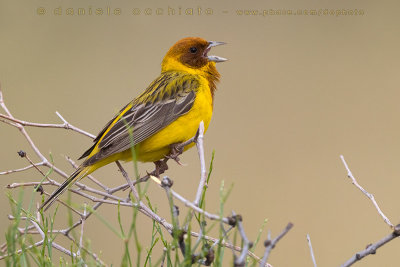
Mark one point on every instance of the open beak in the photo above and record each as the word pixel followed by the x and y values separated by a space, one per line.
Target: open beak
pixel 212 57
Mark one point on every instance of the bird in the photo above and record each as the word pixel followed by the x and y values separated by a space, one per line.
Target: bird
pixel 167 113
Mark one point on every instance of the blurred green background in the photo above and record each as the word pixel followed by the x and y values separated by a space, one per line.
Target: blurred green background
pixel 297 91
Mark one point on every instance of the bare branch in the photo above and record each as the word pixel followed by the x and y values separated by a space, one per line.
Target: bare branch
pixel 241 260
pixel 370 196
pixel 269 245
pixel 203 171
pixel 163 256
pixel 54 244
pixel 82 227
pixel 65 205
pixel 372 248
pixel 8 122
pixel 20 250
pixel 77 191
pixel 22 169
pixel 131 185
pixel 15 185
pixel 192 205
pixel 311 250
pixel 65 125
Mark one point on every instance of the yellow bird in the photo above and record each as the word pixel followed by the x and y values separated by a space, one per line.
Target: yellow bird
pixel 167 113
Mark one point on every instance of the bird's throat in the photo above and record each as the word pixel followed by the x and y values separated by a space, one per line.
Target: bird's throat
pixel 208 71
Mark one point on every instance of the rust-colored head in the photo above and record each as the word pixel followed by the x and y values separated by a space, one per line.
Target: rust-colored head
pixel 192 52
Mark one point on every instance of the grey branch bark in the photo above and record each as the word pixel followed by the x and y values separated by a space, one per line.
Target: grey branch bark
pixel 372 248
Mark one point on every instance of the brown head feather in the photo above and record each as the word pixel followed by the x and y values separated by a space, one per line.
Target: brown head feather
pixel 192 52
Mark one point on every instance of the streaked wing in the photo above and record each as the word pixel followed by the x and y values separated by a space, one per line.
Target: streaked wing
pixel 166 99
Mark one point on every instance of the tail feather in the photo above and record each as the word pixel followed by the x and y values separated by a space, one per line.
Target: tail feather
pixel 78 174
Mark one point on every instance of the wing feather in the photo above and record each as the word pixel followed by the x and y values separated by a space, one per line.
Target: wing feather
pixel 166 99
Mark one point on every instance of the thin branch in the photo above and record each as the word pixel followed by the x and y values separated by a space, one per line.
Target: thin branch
pixel 23 154
pixel 142 207
pixel 22 169
pixel 241 260
pixel 269 245
pixel 203 171
pixel 176 231
pixel 20 250
pixel 167 184
pixel 163 256
pixel 82 227
pixel 65 205
pixel 311 250
pixel 64 125
pixel 370 196
pixel 37 228
pixel 191 205
pixel 227 245
pixel 16 185
pixel 131 185
pixel 53 244
pixel 372 248
pixel 8 122
pixel 76 191
pixel 97 205
pixel 226 237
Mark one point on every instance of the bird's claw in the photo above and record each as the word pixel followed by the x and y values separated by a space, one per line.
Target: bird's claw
pixel 161 167
pixel 176 159
pixel 176 150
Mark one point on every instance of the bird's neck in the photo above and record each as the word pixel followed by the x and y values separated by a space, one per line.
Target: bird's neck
pixel 208 71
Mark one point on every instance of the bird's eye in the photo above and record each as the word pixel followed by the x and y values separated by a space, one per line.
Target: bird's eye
pixel 193 50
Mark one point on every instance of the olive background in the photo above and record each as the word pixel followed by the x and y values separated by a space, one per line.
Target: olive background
pixel 297 92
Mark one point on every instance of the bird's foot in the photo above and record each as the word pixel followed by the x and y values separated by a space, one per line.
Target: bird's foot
pixel 161 167
pixel 176 150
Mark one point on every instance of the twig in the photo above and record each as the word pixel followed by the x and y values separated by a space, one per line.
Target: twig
pixel 371 249
pixel 96 206
pixel 191 205
pixel 311 250
pixel 241 260
pixel 203 171
pixel 131 185
pixel 8 122
pixel 15 185
pixel 82 227
pixel 226 237
pixel 23 154
pixel 22 169
pixel 177 232
pixel 269 245
pixel 370 196
pixel 64 125
pixel 65 205
pixel 163 256
pixel 77 191
pixel 20 250
pixel 53 244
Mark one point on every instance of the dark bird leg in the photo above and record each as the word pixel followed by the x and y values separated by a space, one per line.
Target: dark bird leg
pixel 161 167
pixel 176 150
